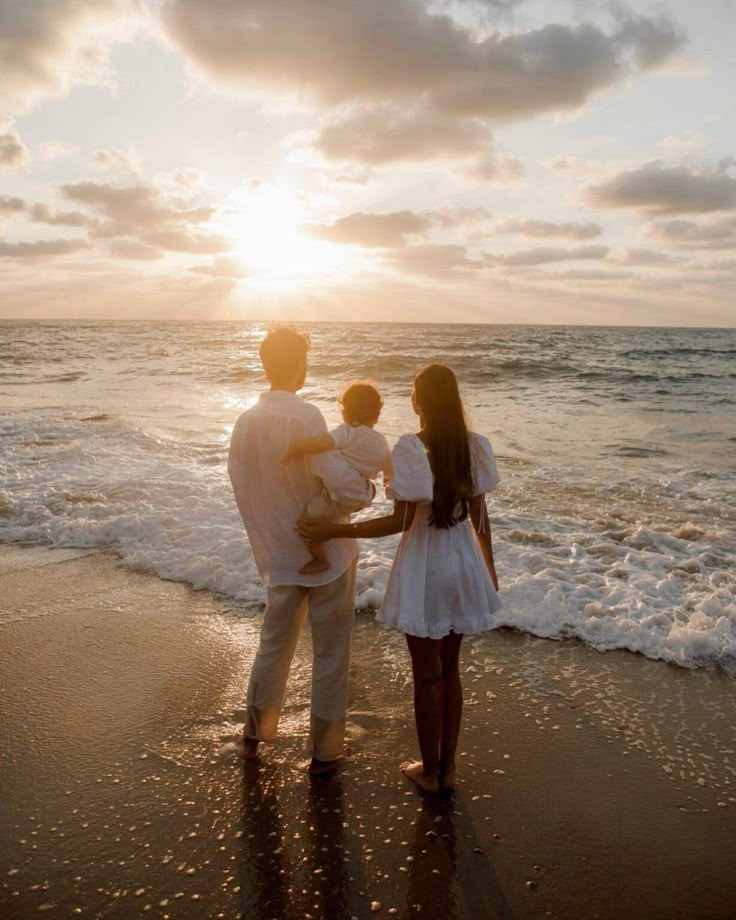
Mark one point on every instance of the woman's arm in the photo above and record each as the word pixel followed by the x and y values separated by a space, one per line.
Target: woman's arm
pixel 308 446
pixel 482 527
pixel 399 519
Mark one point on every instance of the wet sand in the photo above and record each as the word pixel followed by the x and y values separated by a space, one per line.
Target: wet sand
pixel 592 786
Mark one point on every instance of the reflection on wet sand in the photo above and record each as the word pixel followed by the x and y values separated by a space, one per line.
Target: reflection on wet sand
pixel 446 850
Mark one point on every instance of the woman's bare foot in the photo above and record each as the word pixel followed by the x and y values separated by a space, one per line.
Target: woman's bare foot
pixel 314 567
pixel 247 747
pixel 414 770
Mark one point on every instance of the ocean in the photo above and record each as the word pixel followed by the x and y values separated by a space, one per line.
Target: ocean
pixel 615 521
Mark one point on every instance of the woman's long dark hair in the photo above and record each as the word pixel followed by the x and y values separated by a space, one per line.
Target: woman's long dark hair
pixel 446 439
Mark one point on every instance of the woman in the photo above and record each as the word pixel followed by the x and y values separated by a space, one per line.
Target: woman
pixel 443 581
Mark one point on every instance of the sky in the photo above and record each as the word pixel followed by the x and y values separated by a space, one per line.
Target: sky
pixel 499 161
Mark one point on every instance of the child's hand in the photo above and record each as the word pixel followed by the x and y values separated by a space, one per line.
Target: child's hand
pixel 295 452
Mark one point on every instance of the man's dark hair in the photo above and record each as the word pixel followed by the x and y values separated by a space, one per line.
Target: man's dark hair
pixel 283 351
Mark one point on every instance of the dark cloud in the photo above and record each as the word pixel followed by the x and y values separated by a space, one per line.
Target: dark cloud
pixel 545 228
pixel 444 81
pixel 545 254
pixel 379 230
pixel 12 151
pixel 658 189
pixel 41 249
pixel 345 50
pixel 719 234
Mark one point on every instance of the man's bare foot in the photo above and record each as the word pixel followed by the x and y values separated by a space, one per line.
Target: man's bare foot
pixel 247 747
pixel 322 767
pixel 447 777
pixel 414 770
pixel 314 566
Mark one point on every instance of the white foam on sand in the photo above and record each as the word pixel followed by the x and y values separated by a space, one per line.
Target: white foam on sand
pixel 590 568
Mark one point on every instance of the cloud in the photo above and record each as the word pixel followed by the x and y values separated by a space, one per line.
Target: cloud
pixel 177 240
pixel 545 254
pixel 389 133
pixel 373 230
pixel 492 167
pixel 658 189
pixel 130 210
pixel 450 216
pixel 593 274
pixel 652 40
pixel 41 249
pixel 11 205
pixel 113 160
pixel 447 83
pixel 720 234
pixel 348 50
pixel 133 249
pixel 223 267
pixel 43 214
pixel 48 46
pixel 545 228
pixel 12 151
pixel 433 259
pixel 644 257
pixel 54 150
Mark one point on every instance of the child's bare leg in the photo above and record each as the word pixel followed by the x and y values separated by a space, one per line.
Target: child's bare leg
pixel 318 562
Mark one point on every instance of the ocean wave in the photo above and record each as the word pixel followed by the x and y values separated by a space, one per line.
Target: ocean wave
pixel 665 590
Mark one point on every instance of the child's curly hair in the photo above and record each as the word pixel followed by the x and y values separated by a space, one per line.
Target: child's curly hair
pixel 361 402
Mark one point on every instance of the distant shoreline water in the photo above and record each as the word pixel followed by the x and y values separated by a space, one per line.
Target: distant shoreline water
pixel 614 523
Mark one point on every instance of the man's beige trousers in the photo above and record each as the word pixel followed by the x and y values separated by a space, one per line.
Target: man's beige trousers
pixel 331 612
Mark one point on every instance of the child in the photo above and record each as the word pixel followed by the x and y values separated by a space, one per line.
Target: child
pixel 359 444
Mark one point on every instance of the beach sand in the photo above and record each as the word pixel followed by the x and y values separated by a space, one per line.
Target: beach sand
pixel 592 785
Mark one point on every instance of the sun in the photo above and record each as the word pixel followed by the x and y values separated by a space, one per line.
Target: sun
pixel 266 224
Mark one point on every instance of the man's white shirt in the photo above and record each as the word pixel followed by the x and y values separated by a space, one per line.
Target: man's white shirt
pixel 271 495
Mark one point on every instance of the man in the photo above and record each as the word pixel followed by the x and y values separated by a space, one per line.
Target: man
pixel 271 496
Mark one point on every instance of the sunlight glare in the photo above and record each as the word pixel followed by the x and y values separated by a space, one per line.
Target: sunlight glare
pixel 265 224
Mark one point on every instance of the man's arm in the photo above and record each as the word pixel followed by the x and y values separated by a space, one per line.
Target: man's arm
pixel 318 445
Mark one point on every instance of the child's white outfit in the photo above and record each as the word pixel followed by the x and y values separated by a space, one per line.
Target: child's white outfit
pixel 365 450
pixel 439 582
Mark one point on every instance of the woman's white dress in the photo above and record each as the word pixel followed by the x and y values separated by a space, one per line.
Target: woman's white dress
pixel 439 582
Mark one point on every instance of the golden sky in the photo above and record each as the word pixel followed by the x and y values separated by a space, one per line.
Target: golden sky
pixel 392 160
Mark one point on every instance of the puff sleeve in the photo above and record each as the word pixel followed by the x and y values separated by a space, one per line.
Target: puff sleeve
pixel 412 476
pixel 483 465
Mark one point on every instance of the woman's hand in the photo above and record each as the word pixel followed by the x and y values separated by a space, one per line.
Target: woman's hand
pixel 318 531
